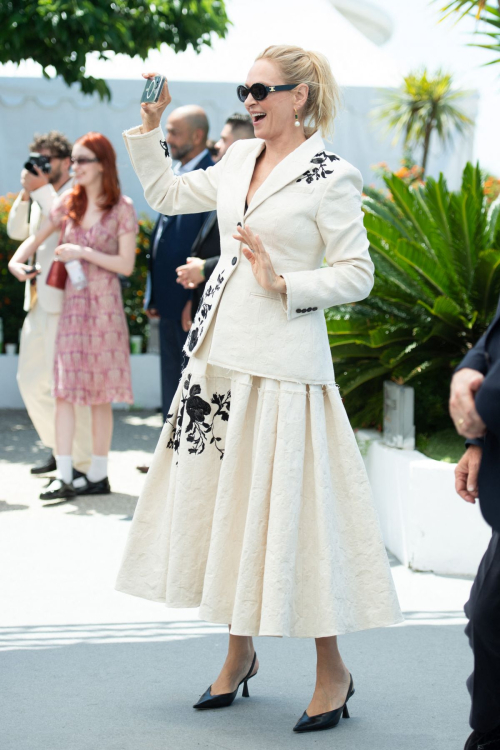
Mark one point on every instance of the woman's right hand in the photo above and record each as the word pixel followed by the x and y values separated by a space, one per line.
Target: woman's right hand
pixel 19 271
pixel 151 113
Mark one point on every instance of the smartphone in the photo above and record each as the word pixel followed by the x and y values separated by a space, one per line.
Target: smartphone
pixel 152 89
pixel 31 269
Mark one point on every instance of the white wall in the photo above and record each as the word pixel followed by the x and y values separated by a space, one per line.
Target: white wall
pixel 29 105
pixel 145 382
pixel 424 522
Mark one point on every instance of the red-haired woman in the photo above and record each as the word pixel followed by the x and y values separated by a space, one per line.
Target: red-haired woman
pixel 98 227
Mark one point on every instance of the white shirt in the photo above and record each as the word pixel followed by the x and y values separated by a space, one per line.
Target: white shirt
pixel 191 164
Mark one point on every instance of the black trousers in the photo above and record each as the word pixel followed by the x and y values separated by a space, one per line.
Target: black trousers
pixel 172 339
pixel 483 630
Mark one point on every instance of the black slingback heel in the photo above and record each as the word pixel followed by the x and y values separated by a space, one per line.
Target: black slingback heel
pixel 327 720
pixel 208 700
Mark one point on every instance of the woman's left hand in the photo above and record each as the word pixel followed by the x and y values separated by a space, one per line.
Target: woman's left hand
pixel 68 251
pixel 260 261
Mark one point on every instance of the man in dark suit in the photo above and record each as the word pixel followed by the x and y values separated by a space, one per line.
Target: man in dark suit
pixel 475 409
pixel 205 252
pixel 171 243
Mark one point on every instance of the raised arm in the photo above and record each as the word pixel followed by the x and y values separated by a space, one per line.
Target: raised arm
pixel 164 191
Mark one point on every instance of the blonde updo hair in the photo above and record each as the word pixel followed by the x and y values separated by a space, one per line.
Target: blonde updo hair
pixel 298 65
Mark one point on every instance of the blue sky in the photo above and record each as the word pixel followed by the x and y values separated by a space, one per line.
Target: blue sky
pixel 419 39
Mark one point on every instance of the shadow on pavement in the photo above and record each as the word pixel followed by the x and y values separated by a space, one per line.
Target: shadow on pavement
pixel 19 443
pixel 115 504
pixel 132 685
pixel 4 506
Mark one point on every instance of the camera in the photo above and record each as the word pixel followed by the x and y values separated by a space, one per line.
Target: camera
pixel 42 162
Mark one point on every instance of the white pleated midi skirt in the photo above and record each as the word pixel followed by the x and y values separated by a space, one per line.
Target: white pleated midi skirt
pixel 258 510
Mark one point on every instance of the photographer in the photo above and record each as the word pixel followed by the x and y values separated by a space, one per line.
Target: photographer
pixel 45 176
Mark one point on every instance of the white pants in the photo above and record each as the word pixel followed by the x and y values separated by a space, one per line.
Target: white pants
pixel 35 377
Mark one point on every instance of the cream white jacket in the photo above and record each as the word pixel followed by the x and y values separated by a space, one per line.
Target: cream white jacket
pixel 306 211
pixel 25 218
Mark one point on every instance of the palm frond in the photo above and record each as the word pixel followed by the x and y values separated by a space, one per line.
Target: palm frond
pixel 437 283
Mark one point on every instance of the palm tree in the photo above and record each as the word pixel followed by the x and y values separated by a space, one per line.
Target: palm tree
pixel 483 12
pixel 424 104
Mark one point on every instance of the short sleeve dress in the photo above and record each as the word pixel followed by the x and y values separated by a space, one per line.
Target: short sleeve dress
pixel 92 352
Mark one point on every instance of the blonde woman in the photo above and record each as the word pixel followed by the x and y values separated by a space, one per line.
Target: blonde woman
pixel 257 507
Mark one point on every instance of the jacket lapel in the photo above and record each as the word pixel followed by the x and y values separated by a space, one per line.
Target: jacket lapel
pixel 245 175
pixel 292 167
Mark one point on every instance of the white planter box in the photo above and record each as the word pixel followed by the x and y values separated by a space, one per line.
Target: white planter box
pixel 145 382
pixel 424 522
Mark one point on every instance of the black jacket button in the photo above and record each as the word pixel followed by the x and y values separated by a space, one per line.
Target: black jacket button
pixel 234 261
pixel 298 310
pixel 314 309
pixel 309 309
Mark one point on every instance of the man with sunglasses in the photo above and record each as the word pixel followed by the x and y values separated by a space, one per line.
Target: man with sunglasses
pixel 43 303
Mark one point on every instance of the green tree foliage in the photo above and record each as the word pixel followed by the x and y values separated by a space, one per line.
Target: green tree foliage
pixel 487 13
pixel 437 283
pixel 135 285
pixel 59 34
pixel 423 104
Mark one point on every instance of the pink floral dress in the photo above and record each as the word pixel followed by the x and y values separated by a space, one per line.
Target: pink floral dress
pixel 92 353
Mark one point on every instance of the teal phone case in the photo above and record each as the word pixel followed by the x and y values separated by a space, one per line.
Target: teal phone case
pixel 152 89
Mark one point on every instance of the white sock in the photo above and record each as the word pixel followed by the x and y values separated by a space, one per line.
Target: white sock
pixel 64 468
pixel 98 468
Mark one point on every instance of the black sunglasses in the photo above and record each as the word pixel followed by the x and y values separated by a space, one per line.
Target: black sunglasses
pixel 259 91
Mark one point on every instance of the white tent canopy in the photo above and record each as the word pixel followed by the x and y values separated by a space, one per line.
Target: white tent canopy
pixel 315 25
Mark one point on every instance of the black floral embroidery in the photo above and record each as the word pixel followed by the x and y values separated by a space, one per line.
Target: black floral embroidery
pixel 204 308
pixel 202 422
pixel 193 338
pixel 175 439
pixel 320 160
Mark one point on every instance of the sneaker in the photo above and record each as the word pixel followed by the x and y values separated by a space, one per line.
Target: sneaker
pixel 48 465
pixel 58 490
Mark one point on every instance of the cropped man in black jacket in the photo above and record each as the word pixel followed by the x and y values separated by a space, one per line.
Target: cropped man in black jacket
pixel 205 252
pixel 475 409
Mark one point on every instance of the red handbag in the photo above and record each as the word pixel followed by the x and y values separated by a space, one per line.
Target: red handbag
pixel 57 274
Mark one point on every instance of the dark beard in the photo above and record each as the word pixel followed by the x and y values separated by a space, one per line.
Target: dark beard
pixel 55 176
pixel 181 152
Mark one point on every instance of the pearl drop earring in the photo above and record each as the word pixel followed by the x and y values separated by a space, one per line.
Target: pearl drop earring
pixel 297 123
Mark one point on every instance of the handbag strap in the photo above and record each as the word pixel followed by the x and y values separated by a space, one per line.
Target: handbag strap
pixel 63 229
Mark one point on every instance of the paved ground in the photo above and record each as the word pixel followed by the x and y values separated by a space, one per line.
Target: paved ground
pixel 83 667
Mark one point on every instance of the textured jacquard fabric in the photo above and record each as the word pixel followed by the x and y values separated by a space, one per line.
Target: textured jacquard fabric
pixel 257 508
pixel 308 210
